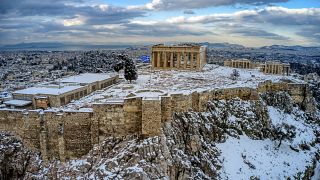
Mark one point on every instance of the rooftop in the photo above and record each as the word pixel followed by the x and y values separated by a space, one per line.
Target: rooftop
pixel 87 78
pixel 18 103
pixel 177 45
pixel 47 90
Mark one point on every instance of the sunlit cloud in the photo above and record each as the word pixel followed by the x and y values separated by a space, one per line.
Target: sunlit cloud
pixel 79 20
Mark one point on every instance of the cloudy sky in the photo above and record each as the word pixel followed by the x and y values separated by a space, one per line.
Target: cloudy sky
pixel 246 22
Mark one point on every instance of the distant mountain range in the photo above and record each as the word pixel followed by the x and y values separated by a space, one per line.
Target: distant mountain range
pixel 292 48
pixel 60 46
pixel 222 45
pixel 79 46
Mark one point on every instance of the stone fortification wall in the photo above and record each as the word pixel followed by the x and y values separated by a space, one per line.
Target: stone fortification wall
pixel 166 108
pixel 151 117
pixel 299 92
pixel 118 118
pixel 133 114
pixel 220 94
pixel 181 102
pixel 69 131
pixel 71 134
pixel 57 135
pixel 110 119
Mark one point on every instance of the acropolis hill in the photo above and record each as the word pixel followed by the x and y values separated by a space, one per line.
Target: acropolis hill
pixel 104 105
pixel 140 108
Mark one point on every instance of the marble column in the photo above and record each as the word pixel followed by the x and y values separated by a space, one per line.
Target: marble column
pixel 273 68
pixel 185 60
pixel 153 60
pixel 179 59
pixel 171 60
pixel 265 68
pixel 165 60
pixel 192 61
pixel 158 59
pixel 198 61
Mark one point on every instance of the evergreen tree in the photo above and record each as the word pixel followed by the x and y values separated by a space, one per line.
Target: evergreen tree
pixel 130 72
pixel 117 67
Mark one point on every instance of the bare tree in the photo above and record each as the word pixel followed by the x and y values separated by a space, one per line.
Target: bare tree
pixel 235 74
pixel 284 131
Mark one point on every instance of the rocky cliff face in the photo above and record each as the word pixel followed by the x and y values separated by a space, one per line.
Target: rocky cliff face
pixel 233 138
pixel 15 159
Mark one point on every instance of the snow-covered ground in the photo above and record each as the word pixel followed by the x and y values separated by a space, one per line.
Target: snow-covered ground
pixel 304 130
pixel 244 157
pixel 316 175
pixel 172 82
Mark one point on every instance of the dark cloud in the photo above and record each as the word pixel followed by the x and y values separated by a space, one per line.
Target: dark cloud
pixel 188 11
pixel 284 16
pixel 162 30
pixel 196 4
pixel 313 33
pixel 33 20
pixel 56 31
pixel 27 20
pixel 271 15
pixel 248 31
pixel 33 7
pixel 67 9
pixel 257 33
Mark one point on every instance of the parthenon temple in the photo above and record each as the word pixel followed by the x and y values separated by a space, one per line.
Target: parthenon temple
pixel 187 57
pixel 275 67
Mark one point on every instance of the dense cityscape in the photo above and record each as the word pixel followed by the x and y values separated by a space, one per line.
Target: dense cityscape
pixel 21 69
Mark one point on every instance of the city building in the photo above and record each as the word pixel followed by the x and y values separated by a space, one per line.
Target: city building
pixel 186 57
pixel 61 92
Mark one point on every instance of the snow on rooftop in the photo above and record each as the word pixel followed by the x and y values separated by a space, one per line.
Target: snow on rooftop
pixel 17 103
pixel 87 78
pixel 47 90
